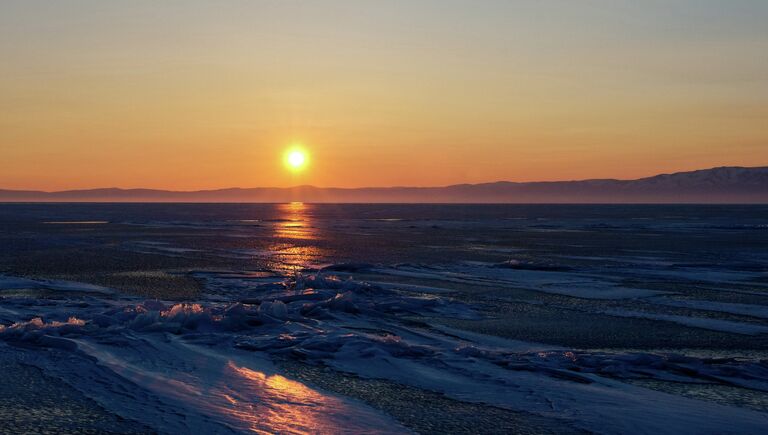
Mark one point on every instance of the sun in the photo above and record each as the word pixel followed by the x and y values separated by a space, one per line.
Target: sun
pixel 296 158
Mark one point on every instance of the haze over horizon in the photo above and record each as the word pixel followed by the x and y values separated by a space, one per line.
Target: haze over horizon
pixel 387 187
pixel 201 95
pixel 722 185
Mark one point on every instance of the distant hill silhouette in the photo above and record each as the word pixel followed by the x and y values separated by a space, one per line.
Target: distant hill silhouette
pixel 716 185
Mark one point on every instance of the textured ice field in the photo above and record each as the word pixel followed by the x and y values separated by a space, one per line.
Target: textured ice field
pixel 642 320
pixel 205 366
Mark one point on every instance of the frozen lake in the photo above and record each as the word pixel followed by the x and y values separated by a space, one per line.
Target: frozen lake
pixel 215 318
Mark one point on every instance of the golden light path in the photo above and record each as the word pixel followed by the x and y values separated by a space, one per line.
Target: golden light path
pixel 294 233
pixel 219 391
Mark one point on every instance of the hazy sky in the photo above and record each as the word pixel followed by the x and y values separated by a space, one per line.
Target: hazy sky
pixel 204 94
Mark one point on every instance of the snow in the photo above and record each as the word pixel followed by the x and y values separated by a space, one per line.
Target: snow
pixel 759 311
pixel 696 322
pixel 580 285
pixel 205 366
pixel 16 283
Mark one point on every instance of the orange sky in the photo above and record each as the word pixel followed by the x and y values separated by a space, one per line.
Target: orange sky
pixel 192 95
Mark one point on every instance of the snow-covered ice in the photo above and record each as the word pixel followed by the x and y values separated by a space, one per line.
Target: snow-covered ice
pixel 205 366
pixel 570 314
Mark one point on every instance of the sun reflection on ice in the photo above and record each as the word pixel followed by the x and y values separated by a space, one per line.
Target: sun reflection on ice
pixel 291 407
pixel 221 392
pixel 295 233
pixel 295 222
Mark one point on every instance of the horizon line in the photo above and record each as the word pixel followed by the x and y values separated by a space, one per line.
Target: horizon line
pixel 376 187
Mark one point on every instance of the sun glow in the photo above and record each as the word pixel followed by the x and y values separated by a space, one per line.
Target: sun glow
pixel 296 159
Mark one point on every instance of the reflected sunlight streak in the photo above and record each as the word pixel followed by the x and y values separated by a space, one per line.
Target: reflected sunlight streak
pixel 295 224
pixel 292 408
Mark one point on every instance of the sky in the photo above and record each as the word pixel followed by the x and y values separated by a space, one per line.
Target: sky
pixel 194 94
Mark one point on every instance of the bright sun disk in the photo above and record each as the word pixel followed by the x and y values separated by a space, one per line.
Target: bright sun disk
pixel 296 159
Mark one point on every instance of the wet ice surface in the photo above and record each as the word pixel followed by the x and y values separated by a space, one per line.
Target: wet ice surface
pixel 603 319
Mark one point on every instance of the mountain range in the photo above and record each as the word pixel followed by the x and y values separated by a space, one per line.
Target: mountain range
pixel 716 185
